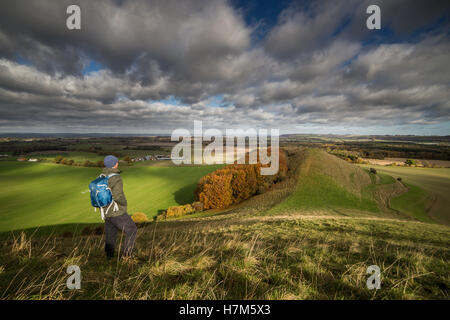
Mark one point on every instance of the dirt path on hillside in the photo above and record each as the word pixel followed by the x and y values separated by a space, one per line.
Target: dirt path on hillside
pixel 306 166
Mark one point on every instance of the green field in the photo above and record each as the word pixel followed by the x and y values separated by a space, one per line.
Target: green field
pixel 429 196
pixel 39 194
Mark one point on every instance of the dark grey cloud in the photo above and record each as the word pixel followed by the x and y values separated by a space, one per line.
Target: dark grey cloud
pixel 319 64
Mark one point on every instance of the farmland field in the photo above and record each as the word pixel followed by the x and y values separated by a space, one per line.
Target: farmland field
pixel 39 194
pixel 401 161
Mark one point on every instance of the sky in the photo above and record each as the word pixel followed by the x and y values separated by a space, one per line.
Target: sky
pixel 154 66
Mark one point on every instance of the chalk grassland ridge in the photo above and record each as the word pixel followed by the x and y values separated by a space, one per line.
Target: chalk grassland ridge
pixel 326 182
pixel 272 246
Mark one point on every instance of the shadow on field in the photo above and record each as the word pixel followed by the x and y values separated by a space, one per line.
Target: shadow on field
pixel 63 230
pixel 185 194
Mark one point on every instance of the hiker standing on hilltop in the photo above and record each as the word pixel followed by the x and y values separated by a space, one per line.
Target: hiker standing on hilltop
pixel 117 219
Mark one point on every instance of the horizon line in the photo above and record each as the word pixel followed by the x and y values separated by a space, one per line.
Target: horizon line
pixel 88 134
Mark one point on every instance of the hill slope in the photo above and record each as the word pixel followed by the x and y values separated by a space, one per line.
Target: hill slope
pixel 429 186
pixel 308 247
pixel 328 183
pixel 228 257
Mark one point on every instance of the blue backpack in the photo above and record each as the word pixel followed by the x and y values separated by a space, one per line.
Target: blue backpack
pixel 101 195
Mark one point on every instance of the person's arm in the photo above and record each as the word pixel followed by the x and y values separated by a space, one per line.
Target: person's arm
pixel 116 185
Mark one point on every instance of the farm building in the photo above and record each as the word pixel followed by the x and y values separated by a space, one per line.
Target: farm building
pixel 160 157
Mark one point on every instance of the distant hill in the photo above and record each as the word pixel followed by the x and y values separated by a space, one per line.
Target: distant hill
pixel 324 137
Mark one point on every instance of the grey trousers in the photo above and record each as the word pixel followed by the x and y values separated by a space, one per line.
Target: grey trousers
pixel 122 223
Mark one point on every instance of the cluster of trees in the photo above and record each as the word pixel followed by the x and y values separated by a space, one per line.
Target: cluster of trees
pixel 178 211
pixel 237 182
pixel 381 150
pixel 349 156
pixel 152 148
pixel 71 162
pixel 62 160
pixel 410 162
pixel 20 150
pixel 128 160
pixel 139 217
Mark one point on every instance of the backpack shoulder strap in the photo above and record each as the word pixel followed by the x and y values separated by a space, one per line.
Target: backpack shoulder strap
pixel 112 175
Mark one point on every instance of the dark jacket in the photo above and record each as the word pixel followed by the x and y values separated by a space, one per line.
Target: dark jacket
pixel 116 185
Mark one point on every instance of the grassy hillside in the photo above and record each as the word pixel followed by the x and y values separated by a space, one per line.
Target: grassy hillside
pixel 429 194
pixel 311 236
pixel 40 194
pixel 231 257
pixel 327 182
pixel 415 203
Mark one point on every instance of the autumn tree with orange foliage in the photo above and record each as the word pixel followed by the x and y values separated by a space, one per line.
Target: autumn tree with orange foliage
pixel 237 182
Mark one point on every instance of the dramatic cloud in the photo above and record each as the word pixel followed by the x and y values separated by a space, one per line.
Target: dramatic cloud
pixel 152 66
